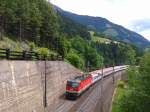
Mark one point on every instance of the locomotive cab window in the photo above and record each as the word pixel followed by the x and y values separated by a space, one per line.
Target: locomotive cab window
pixel 72 84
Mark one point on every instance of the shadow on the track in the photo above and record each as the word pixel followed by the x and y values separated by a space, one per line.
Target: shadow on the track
pixel 63 97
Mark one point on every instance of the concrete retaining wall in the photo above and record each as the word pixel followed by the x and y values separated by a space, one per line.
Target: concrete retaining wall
pixel 22 84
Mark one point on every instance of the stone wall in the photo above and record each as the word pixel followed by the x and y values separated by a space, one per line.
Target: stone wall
pixel 22 84
pixel 57 75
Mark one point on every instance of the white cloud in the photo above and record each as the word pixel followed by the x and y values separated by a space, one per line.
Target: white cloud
pixel 146 33
pixel 140 25
pixel 123 12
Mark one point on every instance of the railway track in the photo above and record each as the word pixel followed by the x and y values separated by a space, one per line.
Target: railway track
pixel 95 99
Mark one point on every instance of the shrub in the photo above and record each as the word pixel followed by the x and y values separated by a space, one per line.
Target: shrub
pixel 75 60
pixel 121 84
pixel 32 46
pixel 44 52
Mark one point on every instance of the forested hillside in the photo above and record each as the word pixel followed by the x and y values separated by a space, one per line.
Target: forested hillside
pixel 133 94
pixel 36 25
pixel 32 20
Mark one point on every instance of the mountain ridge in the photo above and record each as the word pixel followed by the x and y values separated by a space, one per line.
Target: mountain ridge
pixel 107 27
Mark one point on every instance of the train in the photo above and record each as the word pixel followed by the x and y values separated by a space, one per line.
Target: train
pixel 79 84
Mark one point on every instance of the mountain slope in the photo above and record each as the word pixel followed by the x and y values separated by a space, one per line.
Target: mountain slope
pixel 72 28
pixel 102 25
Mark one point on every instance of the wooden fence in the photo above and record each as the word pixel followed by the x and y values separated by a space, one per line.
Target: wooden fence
pixel 25 55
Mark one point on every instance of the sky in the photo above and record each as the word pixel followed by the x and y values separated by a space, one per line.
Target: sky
pixel 132 14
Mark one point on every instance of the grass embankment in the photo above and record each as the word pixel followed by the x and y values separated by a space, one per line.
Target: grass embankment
pixel 119 93
pixel 14 44
pixel 99 39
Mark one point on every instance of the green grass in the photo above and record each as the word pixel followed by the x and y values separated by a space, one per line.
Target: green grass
pixel 120 92
pixel 14 44
pixel 100 39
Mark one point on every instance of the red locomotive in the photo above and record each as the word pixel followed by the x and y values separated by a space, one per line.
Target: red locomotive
pixel 77 85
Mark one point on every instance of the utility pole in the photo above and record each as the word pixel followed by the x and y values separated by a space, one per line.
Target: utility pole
pixel 101 92
pixel 113 55
pixel 113 76
pixel 45 86
pixel 88 66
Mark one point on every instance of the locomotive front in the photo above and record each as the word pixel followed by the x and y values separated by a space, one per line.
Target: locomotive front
pixel 72 88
